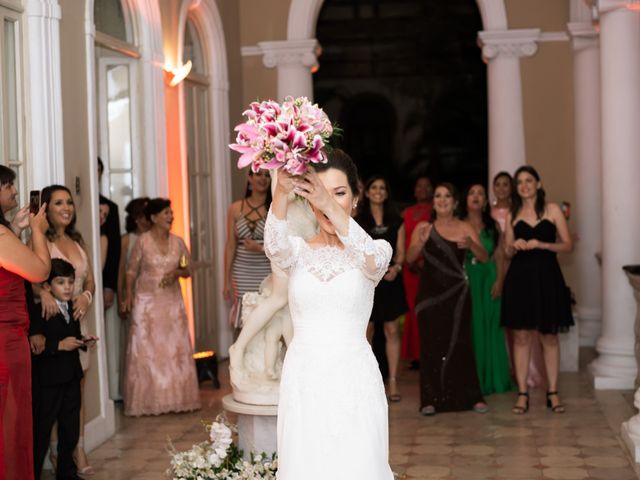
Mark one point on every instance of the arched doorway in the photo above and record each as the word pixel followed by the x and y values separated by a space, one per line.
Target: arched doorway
pixel 411 73
pixel 501 47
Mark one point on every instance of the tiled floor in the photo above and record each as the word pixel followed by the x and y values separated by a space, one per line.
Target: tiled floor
pixel 584 443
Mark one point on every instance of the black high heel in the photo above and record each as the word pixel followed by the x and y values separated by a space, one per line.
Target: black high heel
pixel 518 410
pixel 559 408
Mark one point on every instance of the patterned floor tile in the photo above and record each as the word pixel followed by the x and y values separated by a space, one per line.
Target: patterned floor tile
pixel 584 443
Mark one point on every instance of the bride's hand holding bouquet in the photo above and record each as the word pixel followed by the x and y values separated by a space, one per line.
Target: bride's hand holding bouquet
pixel 285 182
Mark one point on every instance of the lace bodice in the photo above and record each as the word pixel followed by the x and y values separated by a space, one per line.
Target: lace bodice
pixel 330 288
pixel 360 252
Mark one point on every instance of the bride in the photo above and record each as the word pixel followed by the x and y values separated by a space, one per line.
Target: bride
pixel 332 414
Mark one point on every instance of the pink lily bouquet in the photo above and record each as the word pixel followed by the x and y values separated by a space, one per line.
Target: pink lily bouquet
pixel 290 135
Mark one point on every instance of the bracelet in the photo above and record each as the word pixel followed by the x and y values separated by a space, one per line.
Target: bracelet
pixel 398 267
pixel 89 295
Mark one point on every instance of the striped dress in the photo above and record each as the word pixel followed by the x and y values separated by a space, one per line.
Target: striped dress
pixel 249 268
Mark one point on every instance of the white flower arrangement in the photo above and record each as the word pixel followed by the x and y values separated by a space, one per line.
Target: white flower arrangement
pixel 219 459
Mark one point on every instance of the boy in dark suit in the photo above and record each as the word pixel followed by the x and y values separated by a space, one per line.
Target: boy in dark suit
pixel 57 373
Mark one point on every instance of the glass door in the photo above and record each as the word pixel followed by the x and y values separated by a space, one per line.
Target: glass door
pixel 199 160
pixel 118 145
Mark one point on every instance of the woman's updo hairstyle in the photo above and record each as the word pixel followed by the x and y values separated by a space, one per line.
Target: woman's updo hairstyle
pixel 135 210
pixel 339 160
pixel 504 174
pixel 155 206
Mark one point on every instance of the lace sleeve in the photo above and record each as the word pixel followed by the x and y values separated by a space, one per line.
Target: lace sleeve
pixel 279 246
pixel 373 255
pixel 133 264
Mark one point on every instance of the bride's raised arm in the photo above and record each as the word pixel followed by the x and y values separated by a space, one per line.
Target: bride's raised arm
pixel 278 245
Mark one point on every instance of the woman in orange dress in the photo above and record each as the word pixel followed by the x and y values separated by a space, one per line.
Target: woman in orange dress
pixel 420 212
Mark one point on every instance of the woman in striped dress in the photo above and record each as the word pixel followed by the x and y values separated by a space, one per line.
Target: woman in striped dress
pixel 245 264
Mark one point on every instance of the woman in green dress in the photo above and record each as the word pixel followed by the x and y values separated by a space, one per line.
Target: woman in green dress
pixel 485 283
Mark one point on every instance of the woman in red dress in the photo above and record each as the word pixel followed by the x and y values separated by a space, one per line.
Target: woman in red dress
pixel 17 264
pixel 420 212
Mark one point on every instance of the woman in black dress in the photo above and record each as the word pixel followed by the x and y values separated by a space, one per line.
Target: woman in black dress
pixel 380 220
pixel 535 296
pixel 448 376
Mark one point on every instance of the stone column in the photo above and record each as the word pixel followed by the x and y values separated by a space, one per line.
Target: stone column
pixel 294 60
pixel 615 366
pixel 44 92
pixel 502 49
pixel 588 208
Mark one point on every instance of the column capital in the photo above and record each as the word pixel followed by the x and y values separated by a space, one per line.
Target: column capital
pixel 605 6
pixel 289 52
pixel 43 8
pixel 508 43
pixel 583 35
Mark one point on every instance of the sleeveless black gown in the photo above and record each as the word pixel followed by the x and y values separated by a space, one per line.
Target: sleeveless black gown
pixel 534 295
pixel 448 375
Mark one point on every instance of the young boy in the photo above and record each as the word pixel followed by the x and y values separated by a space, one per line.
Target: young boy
pixel 57 374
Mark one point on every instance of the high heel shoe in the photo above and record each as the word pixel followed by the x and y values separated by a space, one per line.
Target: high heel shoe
pixel 393 397
pixel 53 455
pixel 559 408
pixel 428 411
pixel 80 454
pixel 517 409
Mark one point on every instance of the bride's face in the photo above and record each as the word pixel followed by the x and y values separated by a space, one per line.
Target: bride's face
pixel 336 183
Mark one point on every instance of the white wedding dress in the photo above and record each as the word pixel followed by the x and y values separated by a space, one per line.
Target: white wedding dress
pixel 332 414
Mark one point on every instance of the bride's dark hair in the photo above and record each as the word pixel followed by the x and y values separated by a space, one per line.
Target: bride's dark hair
pixel 339 160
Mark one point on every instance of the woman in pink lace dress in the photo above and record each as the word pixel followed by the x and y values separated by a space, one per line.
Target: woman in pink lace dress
pixel 160 375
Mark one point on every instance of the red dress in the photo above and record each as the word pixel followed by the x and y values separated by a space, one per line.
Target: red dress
pixel 413 215
pixel 16 441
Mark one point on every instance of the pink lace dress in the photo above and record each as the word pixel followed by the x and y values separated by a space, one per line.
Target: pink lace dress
pixel 160 375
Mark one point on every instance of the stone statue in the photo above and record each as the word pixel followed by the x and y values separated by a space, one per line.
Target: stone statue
pixel 255 359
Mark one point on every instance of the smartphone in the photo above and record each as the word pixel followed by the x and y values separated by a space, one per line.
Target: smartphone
pixel 34 201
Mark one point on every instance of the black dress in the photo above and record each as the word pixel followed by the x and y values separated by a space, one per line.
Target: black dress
pixel 390 300
pixel 448 376
pixel 534 295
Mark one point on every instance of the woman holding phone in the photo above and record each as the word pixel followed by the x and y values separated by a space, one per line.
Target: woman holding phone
pixel 17 264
